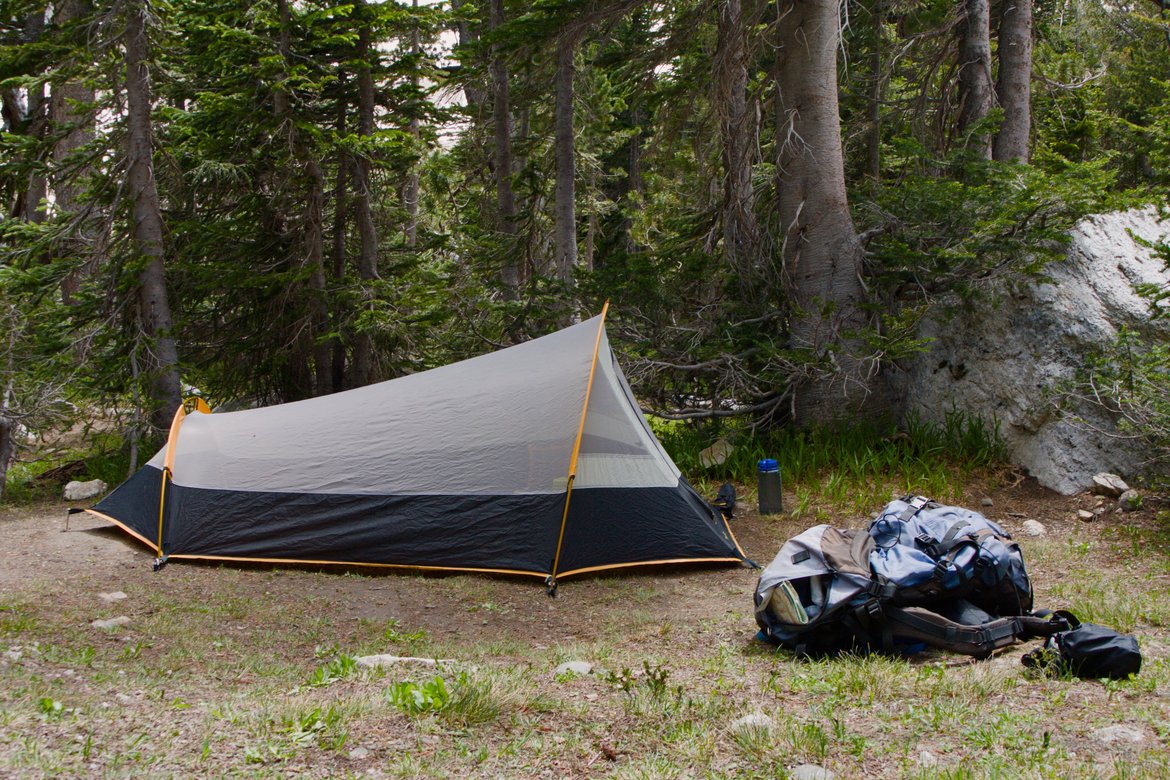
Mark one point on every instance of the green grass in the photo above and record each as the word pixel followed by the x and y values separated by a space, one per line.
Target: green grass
pixel 847 466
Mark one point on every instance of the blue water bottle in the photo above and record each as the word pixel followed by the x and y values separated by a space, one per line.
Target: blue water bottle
pixel 771 500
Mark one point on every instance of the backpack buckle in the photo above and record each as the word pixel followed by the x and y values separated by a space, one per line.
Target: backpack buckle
pixel 942 568
pixel 928 544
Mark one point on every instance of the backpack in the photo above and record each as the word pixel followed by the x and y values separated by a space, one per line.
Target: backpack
pixel 920 574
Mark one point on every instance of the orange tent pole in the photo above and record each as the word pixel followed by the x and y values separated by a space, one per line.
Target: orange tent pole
pixel 199 405
pixel 552 578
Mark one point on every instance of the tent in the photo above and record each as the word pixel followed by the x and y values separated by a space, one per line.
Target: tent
pixel 532 460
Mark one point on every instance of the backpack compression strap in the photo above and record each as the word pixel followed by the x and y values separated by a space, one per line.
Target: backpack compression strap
pixel 979 641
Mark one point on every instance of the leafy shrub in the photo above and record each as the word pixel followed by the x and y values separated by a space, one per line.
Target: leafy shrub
pixel 417 699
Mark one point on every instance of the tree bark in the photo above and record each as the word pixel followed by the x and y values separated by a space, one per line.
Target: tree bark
pixel 313 229
pixel 737 128
pixel 505 196
pixel 154 309
pixel 873 136
pixel 566 164
pixel 66 179
pixel 7 422
pixel 361 370
pixel 410 189
pixel 7 447
pixel 467 35
pixel 975 96
pixel 34 196
pixel 821 252
pixel 340 210
pixel 1014 86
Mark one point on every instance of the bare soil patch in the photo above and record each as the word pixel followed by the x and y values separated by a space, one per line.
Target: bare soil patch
pixel 225 670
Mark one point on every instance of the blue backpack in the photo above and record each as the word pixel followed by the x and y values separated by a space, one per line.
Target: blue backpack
pixel 920 574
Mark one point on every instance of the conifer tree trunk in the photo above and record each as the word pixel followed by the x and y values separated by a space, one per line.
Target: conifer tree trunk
pixel 7 422
pixel 821 252
pixel 63 112
pixel 737 128
pixel 505 196
pixel 410 190
pixel 1015 81
pixel 975 96
pixel 468 35
pixel 340 210
pixel 361 370
pixel 873 136
pixel 34 195
pixel 566 173
pixel 313 230
pixel 154 311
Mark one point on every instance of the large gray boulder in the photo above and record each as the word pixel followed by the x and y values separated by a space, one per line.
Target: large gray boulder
pixel 1004 360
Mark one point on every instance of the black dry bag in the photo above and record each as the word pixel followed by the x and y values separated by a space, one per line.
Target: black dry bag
pixel 1088 650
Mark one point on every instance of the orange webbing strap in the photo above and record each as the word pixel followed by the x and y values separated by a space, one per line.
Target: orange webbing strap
pixel 196 404
pixel 552 578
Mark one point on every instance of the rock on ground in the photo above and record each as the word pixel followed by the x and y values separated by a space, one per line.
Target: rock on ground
pixel 1002 360
pixel 811 772
pixel 754 720
pixel 1119 733
pixel 374 661
pixel 113 622
pixel 81 491
pixel 111 597
pixel 1035 528
pixel 717 454
pixel 1110 485
pixel 1130 501
pixel 573 667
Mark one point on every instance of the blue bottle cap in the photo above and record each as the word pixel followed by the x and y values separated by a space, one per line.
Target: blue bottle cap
pixel 769 464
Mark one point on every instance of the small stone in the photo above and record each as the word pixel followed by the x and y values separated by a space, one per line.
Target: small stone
pixel 1110 485
pixel 80 491
pixel 573 667
pixel 113 622
pixel 358 753
pixel 1130 501
pixel 12 655
pixel 375 661
pixel 811 772
pixel 1085 515
pixel 926 758
pixel 754 720
pixel 110 598
pixel 717 454
pixel 987 501
pixel 1119 733
pixel 1034 528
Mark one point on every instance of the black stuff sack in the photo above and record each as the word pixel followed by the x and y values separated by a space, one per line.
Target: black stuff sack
pixel 725 500
pixel 1088 650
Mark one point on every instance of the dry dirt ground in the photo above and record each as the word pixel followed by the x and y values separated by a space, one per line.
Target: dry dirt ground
pixel 235 671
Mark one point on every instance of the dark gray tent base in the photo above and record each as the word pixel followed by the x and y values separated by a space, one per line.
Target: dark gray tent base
pixel 606 528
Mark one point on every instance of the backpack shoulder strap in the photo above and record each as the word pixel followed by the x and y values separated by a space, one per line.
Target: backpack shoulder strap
pixel 978 640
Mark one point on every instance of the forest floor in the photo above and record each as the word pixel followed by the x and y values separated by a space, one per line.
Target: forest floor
pixel 247 671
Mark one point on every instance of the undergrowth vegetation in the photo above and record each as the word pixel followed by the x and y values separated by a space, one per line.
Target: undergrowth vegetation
pixel 851 466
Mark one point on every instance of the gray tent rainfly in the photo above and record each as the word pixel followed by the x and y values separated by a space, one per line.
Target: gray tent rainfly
pixel 532 460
